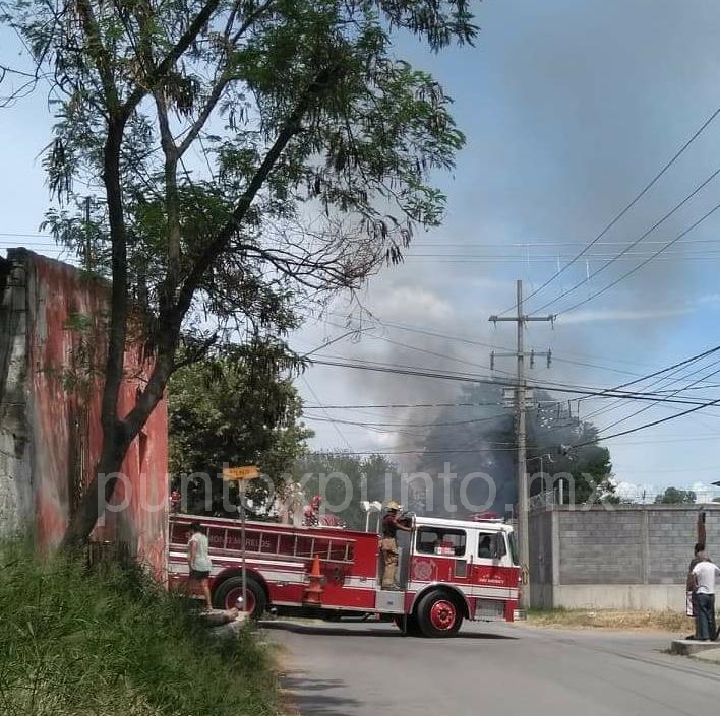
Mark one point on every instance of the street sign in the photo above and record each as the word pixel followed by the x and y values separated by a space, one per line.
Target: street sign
pixel 247 472
pixel 240 474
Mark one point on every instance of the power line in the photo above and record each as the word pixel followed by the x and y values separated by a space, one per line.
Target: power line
pixel 635 243
pixel 647 407
pixel 469 341
pixel 668 379
pixel 664 376
pixel 467 378
pixel 337 429
pixel 652 424
pixel 641 265
pixel 624 211
pixel 363 424
pixel 462 339
pixel 400 405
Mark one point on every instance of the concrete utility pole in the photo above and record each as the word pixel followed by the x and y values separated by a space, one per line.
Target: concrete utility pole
pixel 520 407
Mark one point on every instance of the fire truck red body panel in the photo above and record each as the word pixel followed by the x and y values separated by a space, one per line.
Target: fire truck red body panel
pixel 280 558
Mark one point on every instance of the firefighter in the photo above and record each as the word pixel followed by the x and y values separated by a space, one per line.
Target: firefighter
pixel 391 523
pixel 311 515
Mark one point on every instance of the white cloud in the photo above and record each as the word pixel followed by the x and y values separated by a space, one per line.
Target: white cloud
pixel 621 315
pixel 403 303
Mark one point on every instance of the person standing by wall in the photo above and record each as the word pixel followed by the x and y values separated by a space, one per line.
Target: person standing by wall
pixel 388 545
pixel 705 573
pixel 199 562
pixel 691 607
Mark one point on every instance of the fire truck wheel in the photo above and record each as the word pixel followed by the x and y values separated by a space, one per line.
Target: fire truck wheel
pixel 230 591
pixel 439 614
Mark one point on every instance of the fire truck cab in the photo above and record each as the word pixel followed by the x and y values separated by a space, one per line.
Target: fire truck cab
pixel 450 570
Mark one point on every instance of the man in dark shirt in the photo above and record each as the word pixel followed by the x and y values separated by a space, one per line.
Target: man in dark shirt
pixel 388 545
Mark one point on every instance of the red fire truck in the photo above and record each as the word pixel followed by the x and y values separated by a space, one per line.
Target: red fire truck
pixel 450 570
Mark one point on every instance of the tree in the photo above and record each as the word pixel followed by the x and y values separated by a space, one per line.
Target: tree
pixel 675 496
pixel 237 408
pixel 365 479
pixel 570 446
pixel 237 149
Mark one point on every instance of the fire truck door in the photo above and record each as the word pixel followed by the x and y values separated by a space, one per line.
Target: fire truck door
pixel 492 560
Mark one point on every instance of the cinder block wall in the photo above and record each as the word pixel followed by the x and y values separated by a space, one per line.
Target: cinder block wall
pixel 630 556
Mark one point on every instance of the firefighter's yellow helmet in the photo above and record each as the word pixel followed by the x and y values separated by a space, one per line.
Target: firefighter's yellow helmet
pixel 392 505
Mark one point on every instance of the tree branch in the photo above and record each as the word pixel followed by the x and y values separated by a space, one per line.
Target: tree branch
pixel 288 131
pixel 223 82
pixel 99 53
pixel 187 38
pixel 205 113
pixel 172 203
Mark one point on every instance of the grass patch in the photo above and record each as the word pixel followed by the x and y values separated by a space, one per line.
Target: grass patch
pixel 112 643
pixel 669 621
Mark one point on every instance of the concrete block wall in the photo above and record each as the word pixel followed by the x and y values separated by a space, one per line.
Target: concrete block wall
pixel 601 547
pixel 543 562
pixel 630 556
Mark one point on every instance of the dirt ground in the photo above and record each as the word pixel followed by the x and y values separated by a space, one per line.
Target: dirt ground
pixel 668 621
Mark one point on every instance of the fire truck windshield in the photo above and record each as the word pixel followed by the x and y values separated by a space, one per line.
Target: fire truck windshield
pixel 514 548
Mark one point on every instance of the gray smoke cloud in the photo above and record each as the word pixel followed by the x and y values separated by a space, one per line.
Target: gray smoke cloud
pixel 570 109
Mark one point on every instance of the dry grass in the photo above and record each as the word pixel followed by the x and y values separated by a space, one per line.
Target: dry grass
pixel 647 620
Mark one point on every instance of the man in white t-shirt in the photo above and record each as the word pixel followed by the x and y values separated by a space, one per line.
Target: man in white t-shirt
pixel 705 573
pixel 199 562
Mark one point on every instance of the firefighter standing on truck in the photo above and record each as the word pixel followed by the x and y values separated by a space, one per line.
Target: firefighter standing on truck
pixel 388 545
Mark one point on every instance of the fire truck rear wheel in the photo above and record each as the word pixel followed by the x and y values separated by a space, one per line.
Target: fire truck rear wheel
pixel 227 594
pixel 439 614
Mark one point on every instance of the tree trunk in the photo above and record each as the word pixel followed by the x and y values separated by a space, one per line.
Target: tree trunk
pixel 117 437
pixel 97 495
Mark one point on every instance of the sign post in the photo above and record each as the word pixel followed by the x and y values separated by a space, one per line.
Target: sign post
pixel 240 475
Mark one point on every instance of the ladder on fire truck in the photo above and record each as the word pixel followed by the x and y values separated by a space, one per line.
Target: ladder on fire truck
pixel 284 544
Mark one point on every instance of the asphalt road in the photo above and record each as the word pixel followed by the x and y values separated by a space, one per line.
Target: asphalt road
pixel 370 669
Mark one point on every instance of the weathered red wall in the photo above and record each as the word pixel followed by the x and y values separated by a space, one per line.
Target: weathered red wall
pixel 65 414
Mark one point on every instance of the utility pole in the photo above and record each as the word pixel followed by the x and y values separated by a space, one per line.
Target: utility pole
pixel 520 408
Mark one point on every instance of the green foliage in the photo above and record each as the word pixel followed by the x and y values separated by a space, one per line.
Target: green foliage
pixel 675 496
pixel 114 644
pixel 263 144
pixel 372 478
pixel 244 159
pixel 237 407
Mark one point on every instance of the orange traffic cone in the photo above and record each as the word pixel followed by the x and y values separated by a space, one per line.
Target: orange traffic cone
pixel 314 589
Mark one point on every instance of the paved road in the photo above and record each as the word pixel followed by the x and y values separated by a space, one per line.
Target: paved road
pixel 366 670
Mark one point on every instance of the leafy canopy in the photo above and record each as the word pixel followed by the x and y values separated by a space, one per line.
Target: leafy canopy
pixel 676 496
pixel 241 157
pixel 239 408
pixel 259 143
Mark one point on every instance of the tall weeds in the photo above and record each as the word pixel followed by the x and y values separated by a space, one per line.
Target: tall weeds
pixel 109 642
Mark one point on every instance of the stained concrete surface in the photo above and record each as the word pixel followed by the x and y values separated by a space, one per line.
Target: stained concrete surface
pixel 367 669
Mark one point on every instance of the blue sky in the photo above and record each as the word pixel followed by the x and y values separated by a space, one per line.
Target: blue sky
pixel 569 107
